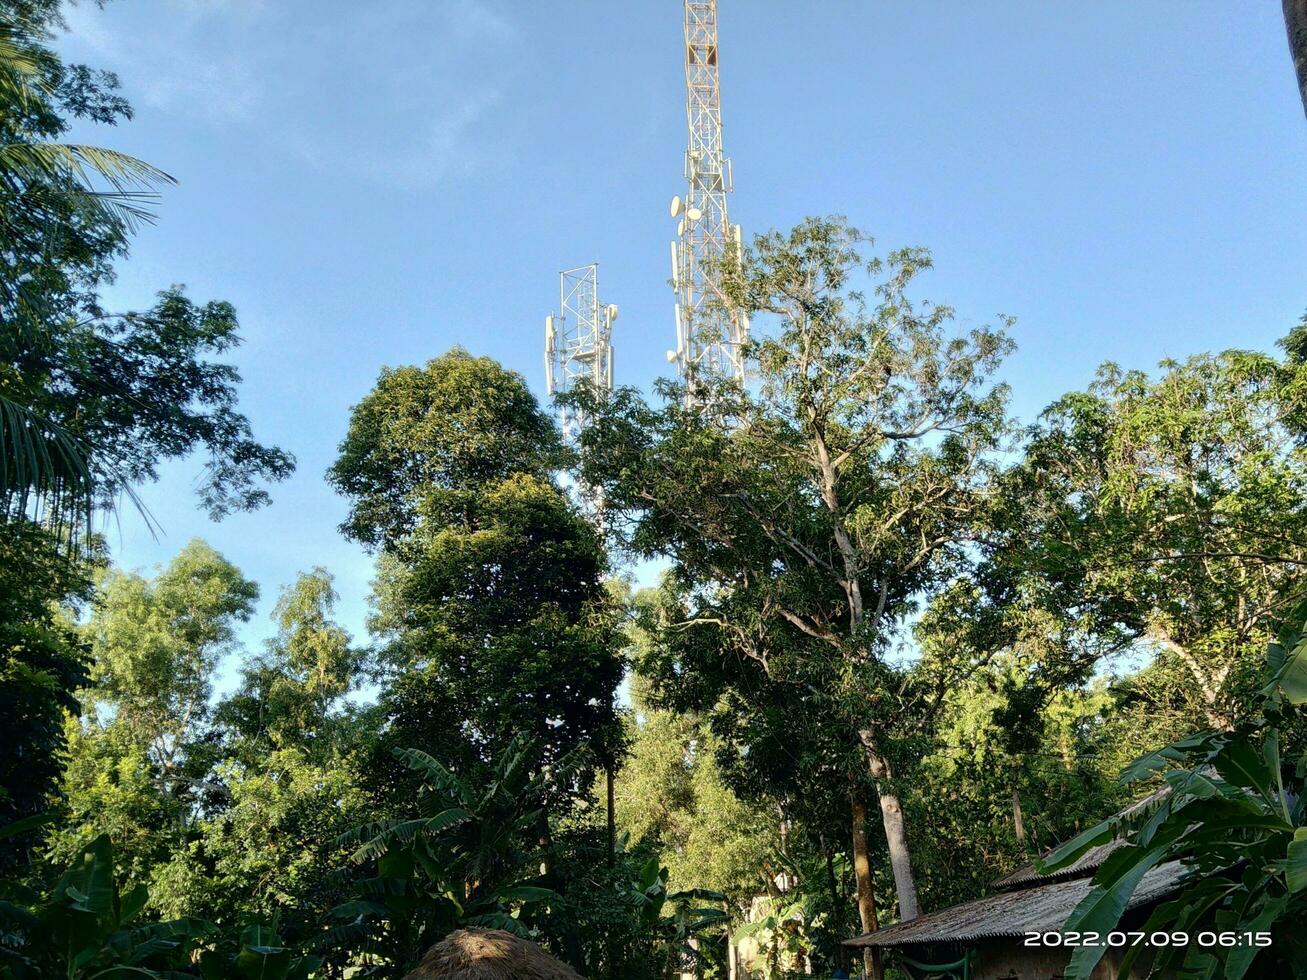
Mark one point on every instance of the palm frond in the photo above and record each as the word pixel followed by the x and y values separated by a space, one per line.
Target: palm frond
pixel 29 167
pixel 82 163
pixel 41 465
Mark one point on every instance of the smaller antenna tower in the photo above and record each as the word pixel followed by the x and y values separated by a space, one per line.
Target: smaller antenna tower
pixel 578 343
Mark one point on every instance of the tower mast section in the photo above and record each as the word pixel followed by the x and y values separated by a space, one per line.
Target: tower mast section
pixel 579 343
pixel 710 332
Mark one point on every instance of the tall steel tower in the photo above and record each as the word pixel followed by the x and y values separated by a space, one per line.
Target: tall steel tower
pixel 578 342
pixel 710 333
pixel 579 347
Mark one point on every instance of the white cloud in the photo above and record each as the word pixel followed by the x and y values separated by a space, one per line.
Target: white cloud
pixel 88 28
pixel 181 64
pixel 477 20
pixel 393 91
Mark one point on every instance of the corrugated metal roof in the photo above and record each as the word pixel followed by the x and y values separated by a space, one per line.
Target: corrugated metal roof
pixel 1041 909
pixel 1091 859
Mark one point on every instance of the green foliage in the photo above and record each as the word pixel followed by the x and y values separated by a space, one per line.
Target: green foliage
pixel 1167 510
pixel 673 924
pixel 91 403
pixel 980 774
pixel 157 645
pixel 1233 814
pixel 807 517
pixel 140 756
pixel 798 931
pixel 42 662
pixel 465 858
pixel 424 439
pixel 489 587
pixel 288 695
pixel 672 796
pixel 230 812
pixel 87 927
pixel 51 184
pixel 138 389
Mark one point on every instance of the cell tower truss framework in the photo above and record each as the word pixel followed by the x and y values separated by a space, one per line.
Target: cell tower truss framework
pixel 578 342
pixel 710 332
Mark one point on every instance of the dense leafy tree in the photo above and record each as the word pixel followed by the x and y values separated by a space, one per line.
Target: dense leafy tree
pixel 425 440
pixel 90 402
pixel 158 643
pixel 42 662
pixel 140 756
pixel 291 695
pixel 267 846
pixel 994 796
pixel 1169 511
pixel 673 795
pixel 489 590
pixel 806 517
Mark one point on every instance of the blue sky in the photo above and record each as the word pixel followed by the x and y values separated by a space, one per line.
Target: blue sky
pixel 373 183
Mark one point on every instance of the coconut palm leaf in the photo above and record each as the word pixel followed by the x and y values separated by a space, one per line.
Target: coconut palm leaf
pixel 42 466
pixel 28 168
pixel 44 470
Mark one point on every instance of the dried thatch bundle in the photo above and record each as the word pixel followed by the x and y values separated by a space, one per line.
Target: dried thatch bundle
pixel 489 954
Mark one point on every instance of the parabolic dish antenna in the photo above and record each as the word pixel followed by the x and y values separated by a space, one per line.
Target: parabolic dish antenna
pixel 676 206
pixel 694 214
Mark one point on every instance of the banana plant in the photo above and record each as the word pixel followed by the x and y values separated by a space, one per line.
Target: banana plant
pixel 672 916
pixel 257 954
pixel 1234 815
pixel 786 924
pixel 467 858
pixel 87 928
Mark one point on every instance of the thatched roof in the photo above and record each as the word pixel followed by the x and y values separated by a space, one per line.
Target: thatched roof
pixel 489 954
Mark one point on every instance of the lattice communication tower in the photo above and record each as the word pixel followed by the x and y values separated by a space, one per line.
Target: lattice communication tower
pixel 710 332
pixel 579 343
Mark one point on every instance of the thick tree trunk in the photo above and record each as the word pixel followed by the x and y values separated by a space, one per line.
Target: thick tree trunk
pixel 896 833
pixel 900 859
pixel 866 892
pixel 1017 823
pixel 1295 22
